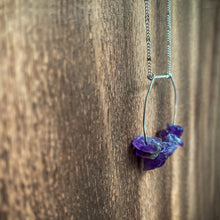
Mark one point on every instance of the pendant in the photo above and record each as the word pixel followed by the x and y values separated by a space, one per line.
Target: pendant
pixel 156 150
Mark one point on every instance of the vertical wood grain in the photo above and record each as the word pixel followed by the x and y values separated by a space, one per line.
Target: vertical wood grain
pixel 73 81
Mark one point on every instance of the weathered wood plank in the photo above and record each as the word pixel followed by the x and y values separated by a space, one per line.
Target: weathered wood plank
pixel 73 82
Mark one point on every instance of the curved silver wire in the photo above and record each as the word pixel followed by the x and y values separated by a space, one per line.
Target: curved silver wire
pixel 147 97
pixel 151 75
pixel 145 108
pixel 175 105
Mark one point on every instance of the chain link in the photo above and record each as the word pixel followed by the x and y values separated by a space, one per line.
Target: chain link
pixel 148 39
pixel 168 37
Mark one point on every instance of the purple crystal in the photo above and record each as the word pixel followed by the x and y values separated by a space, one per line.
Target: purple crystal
pixel 173 139
pixel 146 155
pixel 156 150
pixel 167 150
pixel 170 137
pixel 157 162
pixel 152 146
pixel 163 133
pixel 175 129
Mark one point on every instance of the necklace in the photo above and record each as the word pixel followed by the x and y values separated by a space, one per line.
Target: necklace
pixel 156 150
pixel 148 39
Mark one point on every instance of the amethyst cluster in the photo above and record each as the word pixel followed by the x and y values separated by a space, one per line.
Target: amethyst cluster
pixel 158 149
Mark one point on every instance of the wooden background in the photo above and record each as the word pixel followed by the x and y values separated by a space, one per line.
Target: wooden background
pixel 73 80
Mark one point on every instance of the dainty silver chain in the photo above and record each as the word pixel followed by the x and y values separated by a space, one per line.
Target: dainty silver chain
pixel 168 37
pixel 148 39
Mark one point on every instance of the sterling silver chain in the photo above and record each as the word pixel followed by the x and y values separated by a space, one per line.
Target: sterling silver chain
pixel 148 39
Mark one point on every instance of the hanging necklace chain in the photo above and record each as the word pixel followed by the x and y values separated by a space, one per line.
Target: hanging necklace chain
pixel 152 76
pixel 168 37
pixel 148 39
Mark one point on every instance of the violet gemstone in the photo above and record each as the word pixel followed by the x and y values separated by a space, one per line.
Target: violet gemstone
pixel 170 137
pixel 146 155
pixel 175 129
pixel 157 162
pixel 152 146
pixel 173 139
pixel 157 149
pixel 163 133
pixel 167 150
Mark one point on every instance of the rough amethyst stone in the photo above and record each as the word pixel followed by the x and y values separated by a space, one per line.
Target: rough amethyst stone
pixel 147 155
pixel 157 162
pixel 169 137
pixel 163 133
pixel 158 149
pixel 175 129
pixel 167 150
pixel 152 146
pixel 172 138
